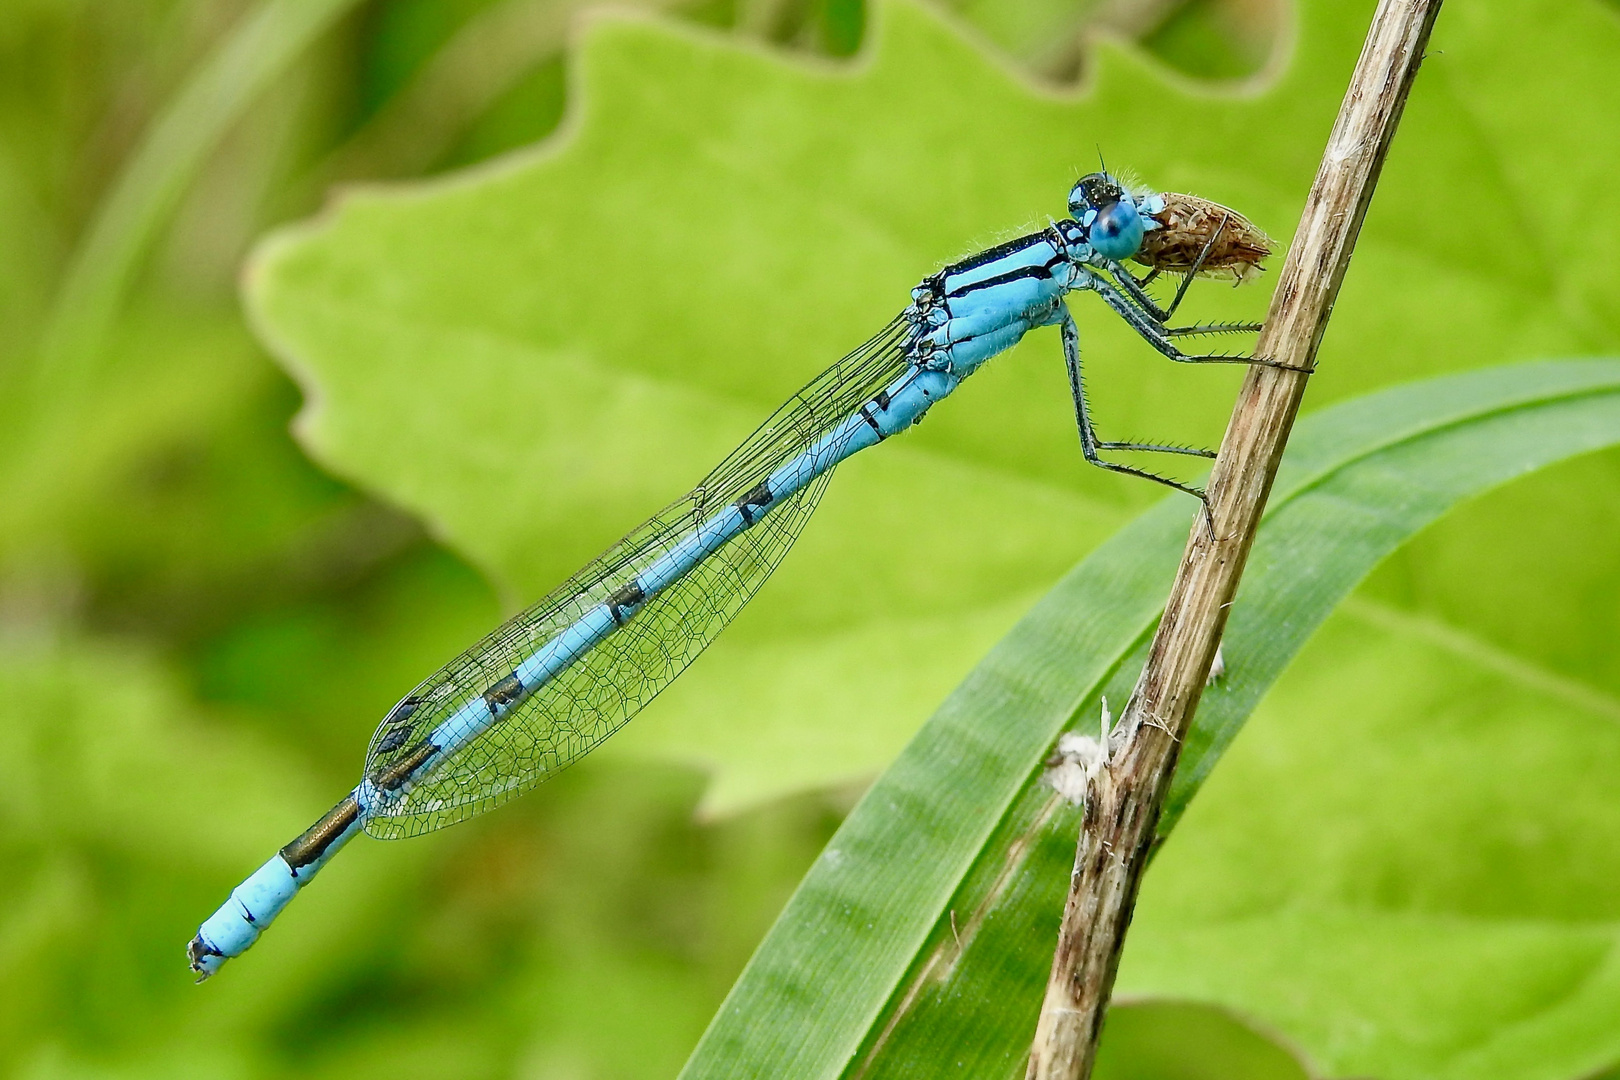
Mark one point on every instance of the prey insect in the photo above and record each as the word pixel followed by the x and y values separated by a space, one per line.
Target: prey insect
pixel 543 690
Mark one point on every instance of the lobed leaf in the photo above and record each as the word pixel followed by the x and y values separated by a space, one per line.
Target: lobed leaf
pixel 532 355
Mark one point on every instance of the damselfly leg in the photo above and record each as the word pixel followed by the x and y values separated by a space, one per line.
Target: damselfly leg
pixel 1128 297
pixel 1090 445
pixel 1138 289
pixel 1160 336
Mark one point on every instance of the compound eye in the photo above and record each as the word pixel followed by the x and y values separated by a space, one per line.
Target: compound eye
pixel 1078 203
pixel 1117 232
pixel 1092 192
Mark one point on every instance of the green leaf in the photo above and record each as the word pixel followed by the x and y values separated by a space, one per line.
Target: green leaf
pixel 899 965
pixel 510 400
pixel 1171 1041
pixel 536 354
pixel 1406 867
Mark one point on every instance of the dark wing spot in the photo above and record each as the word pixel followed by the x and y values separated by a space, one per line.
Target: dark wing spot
pixel 394 739
pixel 402 713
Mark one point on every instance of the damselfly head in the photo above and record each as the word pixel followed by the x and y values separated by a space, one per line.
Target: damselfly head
pixel 1113 221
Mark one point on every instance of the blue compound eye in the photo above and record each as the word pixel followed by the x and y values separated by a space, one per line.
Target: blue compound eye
pixel 1117 232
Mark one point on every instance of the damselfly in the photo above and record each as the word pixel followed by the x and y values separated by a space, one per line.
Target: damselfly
pixel 542 691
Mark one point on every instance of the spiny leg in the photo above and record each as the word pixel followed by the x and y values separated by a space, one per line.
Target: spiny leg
pixel 1090 445
pixel 1198 264
pixel 1131 289
pixel 1137 291
pixel 1160 338
pixel 1213 328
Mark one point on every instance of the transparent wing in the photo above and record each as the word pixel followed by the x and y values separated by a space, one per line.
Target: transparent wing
pixel 566 718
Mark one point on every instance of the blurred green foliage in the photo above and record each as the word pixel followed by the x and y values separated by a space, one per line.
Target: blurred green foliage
pixel 198 628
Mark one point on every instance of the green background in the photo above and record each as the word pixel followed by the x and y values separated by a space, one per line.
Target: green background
pixel 202 616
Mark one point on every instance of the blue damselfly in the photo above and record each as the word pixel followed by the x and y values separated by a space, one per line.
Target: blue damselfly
pixel 543 690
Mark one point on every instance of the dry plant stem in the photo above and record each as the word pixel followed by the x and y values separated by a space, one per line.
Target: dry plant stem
pixel 1123 803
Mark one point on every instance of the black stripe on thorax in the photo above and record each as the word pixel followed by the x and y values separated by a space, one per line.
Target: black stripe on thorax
pixel 998 252
pixel 1002 279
